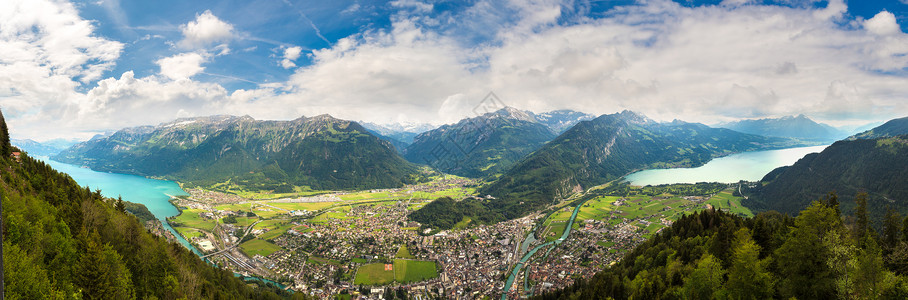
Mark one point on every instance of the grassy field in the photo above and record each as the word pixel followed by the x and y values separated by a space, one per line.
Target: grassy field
pixel 597 209
pixel 726 200
pixel 406 271
pixel 463 223
pixel 556 229
pixel 275 228
pixel 258 246
pixel 191 218
pixel 189 233
pixel 403 252
pixel 373 274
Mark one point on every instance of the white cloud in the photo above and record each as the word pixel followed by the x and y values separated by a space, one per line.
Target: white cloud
pixel 704 64
pixel 883 23
pixel 205 30
pixel 182 66
pixel 412 4
pixel 291 54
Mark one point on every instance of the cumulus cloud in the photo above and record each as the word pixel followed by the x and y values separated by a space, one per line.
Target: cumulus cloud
pixel 705 64
pixel 205 30
pixel 882 23
pixel 182 66
pixel 290 55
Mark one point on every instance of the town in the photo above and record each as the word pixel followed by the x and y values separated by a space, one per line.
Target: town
pixel 362 244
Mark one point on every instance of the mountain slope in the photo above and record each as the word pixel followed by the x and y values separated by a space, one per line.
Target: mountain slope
pixel 607 148
pixel 480 146
pixel 799 127
pixel 400 135
pixel 875 166
pixel 63 241
pixel 319 152
pixel 889 129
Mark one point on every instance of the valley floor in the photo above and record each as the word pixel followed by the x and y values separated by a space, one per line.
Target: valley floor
pixel 362 242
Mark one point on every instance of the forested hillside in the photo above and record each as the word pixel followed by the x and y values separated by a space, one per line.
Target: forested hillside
pixel 875 166
pixel 62 241
pixel 716 255
pixel 891 128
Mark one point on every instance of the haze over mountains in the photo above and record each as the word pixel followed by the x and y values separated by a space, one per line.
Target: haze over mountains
pixel 800 127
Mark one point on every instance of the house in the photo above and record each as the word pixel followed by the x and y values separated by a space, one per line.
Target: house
pixel 16 155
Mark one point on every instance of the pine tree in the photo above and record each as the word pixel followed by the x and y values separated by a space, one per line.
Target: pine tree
pixel 748 277
pixel 5 147
pixel 802 259
pixel 861 220
pixel 706 279
pixel 891 228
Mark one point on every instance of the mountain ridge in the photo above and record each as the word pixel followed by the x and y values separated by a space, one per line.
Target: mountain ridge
pixel 319 152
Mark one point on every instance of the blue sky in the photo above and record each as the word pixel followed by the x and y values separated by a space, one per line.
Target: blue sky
pixel 74 69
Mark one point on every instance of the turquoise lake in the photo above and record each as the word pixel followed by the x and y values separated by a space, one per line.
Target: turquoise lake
pixel 750 166
pixel 153 193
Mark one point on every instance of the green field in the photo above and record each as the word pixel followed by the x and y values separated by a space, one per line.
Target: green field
pixel 403 252
pixel 373 274
pixel 406 271
pixel 725 200
pixel 597 209
pixel 275 228
pixel 258 246
pixel 556 229
pixel 191 218
pixel 463 223
pixel 189 233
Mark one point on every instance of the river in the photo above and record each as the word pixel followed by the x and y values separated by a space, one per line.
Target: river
pixel 749 166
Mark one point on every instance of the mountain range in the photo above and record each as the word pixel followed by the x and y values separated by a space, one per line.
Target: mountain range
pixel 47 148
pixel 606 148
pixel 480 146
pixel 799 127
pixel 221 152
pixel 872 162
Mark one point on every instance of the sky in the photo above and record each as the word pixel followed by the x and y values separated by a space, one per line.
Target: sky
pixel 73 69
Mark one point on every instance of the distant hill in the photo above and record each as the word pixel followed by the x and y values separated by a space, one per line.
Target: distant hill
pixel 480 146
pixel 560 120
pixel 48 148
pixel 876 166
pixel 799 127
pixel 891 128
pixel 319 152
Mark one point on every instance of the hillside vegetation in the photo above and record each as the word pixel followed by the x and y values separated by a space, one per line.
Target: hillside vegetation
pixel 62 241
pixel 876 167
pixel 716 255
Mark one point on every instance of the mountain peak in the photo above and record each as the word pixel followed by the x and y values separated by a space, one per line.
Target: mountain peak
pixel 513 113
pixel 634 117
